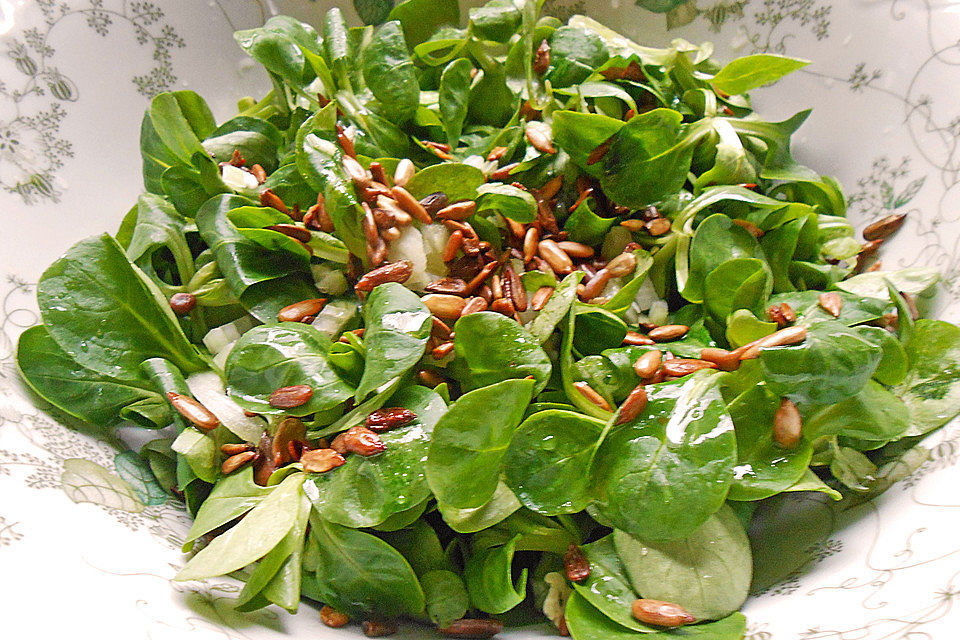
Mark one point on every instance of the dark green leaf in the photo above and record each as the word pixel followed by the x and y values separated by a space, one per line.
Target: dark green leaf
pixel 489 580
pixel 389 72
pixel 508 200
pixel 454 97
pixel 491 347
pixel 446 596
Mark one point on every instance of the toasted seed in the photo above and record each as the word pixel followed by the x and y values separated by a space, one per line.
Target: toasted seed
pixel 623 265
pixel 404 171
pixel 232 449
pixel 885 227
pixel 290 397
pixel 790 335
pixel 399 271
pixel 541 61
pixel 269 199
pixel 635 403
pixel 485 273
pixel 429 378
pixel 359 440
pixel 660 613
pixel 389 205
pixel 555 257
pixel 183 303
pixel 259 173
pixel 298 233
pixel 196 413
pixel 453 246
pixel 658 227
pixel 376 251
pixel 496 286
pixel 911 305
pixel 575 564
pixel 680 367
pixel 530 241
pixel 439 149
pixel 831 302
pixel 539 136
pixel 317 217
pixel 391 234
pixel 783 314
pixel 647 364
pixel 754 230
pixel 458 210
pixel 590 394
pixel 444 306
pixel 410 204
pixel 504 306
pixel 876 266
pixel 440 330
pixel 360 176
pixel 299 311
pixel 576 249
pixel 379 174
pixel 236 461
pixel 321 460
pixel 452 286
pixel 550 188
pixel 378 628
pixel 391 418
pixel 541 297
pixel 518 295
pixel 333 618
pixel 586 193
pixel 725 360
pixel 289 431
pixel 474 305
pixel 635 338
pixel 633 225
pixel 516 229
pixel 442 351
pixel 472 628
pixel 668 332
pixel 496 154
pixel 600 151
pixel 787 425
pixel 595 286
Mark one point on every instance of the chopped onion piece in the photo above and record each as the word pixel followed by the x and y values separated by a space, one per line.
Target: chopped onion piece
pixel 329 280
pixel 220 337
pixel 207 388
pixel 659 312
pixel 334 317
pixel 238 179
pixel 410 246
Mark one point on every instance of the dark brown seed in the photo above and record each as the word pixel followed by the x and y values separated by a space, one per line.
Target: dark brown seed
pixel 378 628
pixel 458 210
pixel 333 618
pixel 435 202
pixel 392 418
pixel 299 311
pixel 647 364
pixel 269 199
pixel 196 413
pixel 259 173
pixel 451 286
pixel 787 425
pixel 541 297
pixel 634 338
pixel 633 405
pixel 668 332
pixel 541 60
pixel 575 564
pixel 474 305
pixel 590 394
pixel 725 360
pixel 236 461
pixel 289 431
pixel 440 330
pixel 321 460
pixel 293 231
pixel 429 378
pixel 598 153
pixel 399 271
pixel 884 227
pixel 453 246
pixel 754 230
pixel 233 449
pixel 472 628
pixel 345 142
pixel 359 440
pixel 438 149
pixel 263 466
pixel 661 614
pixel 291 397
pixel 518 295
pixel 318 218
pixel 442 351
pixel 680 367
pixel 530 241
pixel 783 314
pixel 831 302
pixel 558 260
pixel 183 303
pixel 378 173
pixel 478 280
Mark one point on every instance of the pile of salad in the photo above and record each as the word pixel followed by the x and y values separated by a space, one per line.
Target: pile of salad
pixel 489 326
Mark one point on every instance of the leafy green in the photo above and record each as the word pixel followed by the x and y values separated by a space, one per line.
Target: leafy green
pixel 489 580
pixel 491 348
pixel 743 74
pixel 931 389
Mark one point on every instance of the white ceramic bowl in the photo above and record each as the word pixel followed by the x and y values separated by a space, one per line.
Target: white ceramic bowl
pixel 77 559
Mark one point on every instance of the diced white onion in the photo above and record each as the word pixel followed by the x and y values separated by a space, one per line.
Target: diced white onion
pixel 555 604
pixel 435 238
pixel 220 360
pixel 238 179
pixel 659 312
pixel 220 337
pixel 409 246
pixel 328 279
pixel 208 389
pixel 334 317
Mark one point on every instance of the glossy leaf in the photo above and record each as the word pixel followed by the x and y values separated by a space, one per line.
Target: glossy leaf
pixel 931 390
pixel 489 579
pixel 491 348
pixel 750 72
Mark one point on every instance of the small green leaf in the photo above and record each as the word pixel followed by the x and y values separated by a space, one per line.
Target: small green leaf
pixel 750 72
pixel 85 481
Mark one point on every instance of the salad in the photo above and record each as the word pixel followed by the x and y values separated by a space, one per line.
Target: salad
pixel 514 323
